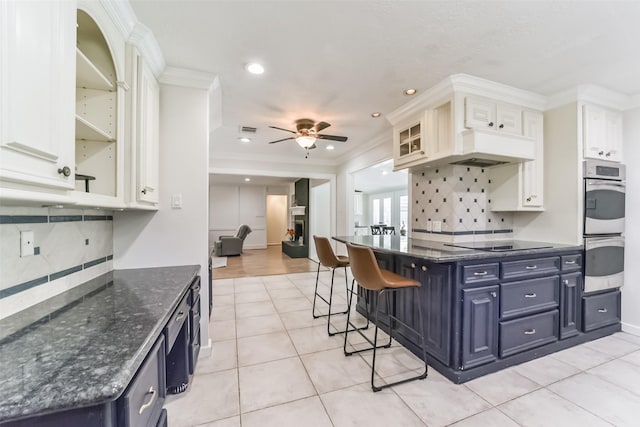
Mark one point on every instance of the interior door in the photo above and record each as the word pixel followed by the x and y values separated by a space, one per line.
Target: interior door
pixel 276 218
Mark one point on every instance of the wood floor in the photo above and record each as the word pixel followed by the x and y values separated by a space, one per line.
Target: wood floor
pixel 263 262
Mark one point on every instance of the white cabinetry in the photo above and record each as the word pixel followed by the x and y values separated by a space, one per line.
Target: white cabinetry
pixel 37 65
pixel 486 114
pixel 408 144
pixel 602 133
pixel 142 147
pixel 520 187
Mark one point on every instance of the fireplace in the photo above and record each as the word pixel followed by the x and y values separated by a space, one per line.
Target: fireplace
pixel 299 228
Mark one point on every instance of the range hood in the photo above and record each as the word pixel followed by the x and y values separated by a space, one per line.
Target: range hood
pixel 489 148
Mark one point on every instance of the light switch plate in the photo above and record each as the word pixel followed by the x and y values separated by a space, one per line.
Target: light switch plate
pixel 176 201
pixel 429 226
pixel 26 243
pixel 437 226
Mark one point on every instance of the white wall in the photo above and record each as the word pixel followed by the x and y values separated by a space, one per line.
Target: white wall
pixel 232 205
pixel 631 289
pixel 319 216
pixel 174 236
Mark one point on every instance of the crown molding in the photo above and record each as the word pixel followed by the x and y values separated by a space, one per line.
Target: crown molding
pixel 596 95
pixel 356 150
pixel 143 39
pixel 121 14
pixel 189 78
pixel 470 85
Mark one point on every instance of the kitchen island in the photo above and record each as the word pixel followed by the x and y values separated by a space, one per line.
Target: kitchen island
pixel 486 310
pixel 76 358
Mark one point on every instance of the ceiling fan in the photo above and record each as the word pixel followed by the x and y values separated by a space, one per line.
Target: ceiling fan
pixel 307 133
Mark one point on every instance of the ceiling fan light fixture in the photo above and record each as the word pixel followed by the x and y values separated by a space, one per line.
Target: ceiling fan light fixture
pixel 254 68
pixel 305 141
pixel 410 92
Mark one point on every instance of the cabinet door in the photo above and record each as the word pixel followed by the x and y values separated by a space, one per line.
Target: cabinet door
pixel 37 83
pixel 570 289
pixel 148 108
pixel 479 326
pixel 435 297
pixel 479 113
pixel 509 119
pixel 533 171
pixel 595 131
pixel 613 148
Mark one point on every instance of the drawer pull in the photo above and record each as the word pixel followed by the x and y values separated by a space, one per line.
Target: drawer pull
pixel 413 265
pixel 572 262
pixel 424 268
pixel 150 402
pixel 480 273
pixel 602 310
pixel 531 267
pixel 530 332
pixel 180 316
pixel 530 295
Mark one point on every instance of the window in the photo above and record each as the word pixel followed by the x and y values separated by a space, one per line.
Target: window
pixel 387 210
pixel 375 211
pixel 404 210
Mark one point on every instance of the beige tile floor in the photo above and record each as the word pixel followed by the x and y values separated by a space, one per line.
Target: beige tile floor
pixel 274 365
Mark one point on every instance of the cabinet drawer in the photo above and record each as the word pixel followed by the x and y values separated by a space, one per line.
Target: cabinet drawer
pixel 194 293
pixel 601 310
pixel 571 262
pixel 530 267
pixel 176 322
pixel 142 403
pixel 481 273
pixel 529 296
pixel 528 332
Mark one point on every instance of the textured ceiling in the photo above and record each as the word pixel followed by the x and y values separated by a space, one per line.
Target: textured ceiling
pixel 339 61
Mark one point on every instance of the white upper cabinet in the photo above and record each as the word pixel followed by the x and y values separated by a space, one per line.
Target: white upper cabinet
pixel 408 142
pixel 142 148
pixel 37 85
pixel 482 113
pixel 520 187
pixel 602 133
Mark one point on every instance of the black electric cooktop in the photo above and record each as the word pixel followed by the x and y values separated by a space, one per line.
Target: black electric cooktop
pixel 501 246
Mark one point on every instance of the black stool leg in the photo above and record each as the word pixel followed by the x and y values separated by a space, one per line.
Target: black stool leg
pixel 315 294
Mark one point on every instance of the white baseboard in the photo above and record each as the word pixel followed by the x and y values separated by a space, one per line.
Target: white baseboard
pixel 631 329
pixel 205 350
pixel 255 246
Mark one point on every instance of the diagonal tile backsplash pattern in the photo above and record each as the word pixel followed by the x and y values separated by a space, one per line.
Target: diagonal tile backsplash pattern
pixel 458 197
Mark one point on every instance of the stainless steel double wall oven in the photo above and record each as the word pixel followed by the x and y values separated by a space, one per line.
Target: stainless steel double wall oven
pixel 604 211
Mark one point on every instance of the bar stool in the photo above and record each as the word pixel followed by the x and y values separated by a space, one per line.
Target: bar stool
pixel 329 259
pixel 370 276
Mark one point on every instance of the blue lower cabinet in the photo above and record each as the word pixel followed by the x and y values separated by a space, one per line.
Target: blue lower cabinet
pixel 528 332
pixel 480 308
pixel 570 307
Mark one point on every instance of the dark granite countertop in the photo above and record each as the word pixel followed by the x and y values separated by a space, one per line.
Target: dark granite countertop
pixel 443 252
pixel 83 347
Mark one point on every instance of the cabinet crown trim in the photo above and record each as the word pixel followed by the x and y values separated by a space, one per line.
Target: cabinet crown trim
pixel 189 78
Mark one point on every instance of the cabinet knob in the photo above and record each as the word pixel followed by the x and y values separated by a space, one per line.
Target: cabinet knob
pixel 529 199
pixel 600 153
pixel 413 265
pixel 490 124
pixel 608 154
pixel 424 268
pixel 493 294
pixel 144 191
pixel 565 282
pixel 64 171
pixel 501 126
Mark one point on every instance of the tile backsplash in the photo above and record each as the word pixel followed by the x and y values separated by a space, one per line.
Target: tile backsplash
pixel 71 246
pixel 458 197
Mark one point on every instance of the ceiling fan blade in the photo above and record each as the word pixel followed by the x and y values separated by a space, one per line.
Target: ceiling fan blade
pixel 321 125
pixel 332 137
pixel 280 140
pixel 286 130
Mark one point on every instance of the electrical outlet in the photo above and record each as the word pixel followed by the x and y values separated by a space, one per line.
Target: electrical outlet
pixel 437 226
pixel 26 243
pixel 429 225
pixel 176 201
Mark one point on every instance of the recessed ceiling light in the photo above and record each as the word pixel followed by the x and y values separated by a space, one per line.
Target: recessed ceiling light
pixel 244 139
pixel 247 179
pixel 376 115
pixel 330 147
pixel 410 92
pixel 385 172
pixel 255 68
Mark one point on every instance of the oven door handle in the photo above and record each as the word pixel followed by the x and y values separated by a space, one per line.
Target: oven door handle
pixel 618 186
pixel 597 242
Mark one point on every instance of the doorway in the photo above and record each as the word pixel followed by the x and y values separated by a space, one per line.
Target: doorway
pixel 276 218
